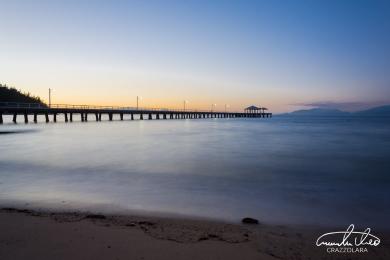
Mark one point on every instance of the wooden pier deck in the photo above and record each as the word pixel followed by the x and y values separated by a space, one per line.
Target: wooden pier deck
pixel 86 112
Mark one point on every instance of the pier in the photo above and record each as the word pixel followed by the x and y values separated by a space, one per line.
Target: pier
pixel 30 112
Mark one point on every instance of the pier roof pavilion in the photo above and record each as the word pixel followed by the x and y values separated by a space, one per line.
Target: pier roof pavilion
pixel 253 109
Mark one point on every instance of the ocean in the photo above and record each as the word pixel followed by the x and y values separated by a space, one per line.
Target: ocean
pixel 328 171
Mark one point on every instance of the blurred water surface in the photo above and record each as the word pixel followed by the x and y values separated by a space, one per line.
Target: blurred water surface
pixel 326 171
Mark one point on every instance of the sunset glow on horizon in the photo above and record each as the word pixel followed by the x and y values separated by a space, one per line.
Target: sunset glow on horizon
pixel 282 55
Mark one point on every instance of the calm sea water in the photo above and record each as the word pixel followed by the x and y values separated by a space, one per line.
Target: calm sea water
pixel 327 171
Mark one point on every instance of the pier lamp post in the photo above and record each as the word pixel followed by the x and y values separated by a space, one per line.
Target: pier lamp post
pixel 226 107
pixel 49 97
pixel 185 102
pixel 138 99
pixel 213 106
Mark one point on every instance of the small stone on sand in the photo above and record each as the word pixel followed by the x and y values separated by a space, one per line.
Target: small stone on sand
pixel 250 221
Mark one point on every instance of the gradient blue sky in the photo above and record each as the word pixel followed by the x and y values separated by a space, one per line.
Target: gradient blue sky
pixel 280 54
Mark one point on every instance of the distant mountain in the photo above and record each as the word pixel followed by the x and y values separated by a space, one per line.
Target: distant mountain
pixel 376 111
pixel 318 112
pixel 8 94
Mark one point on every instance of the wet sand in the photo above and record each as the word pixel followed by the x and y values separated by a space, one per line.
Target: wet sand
pixel 28 234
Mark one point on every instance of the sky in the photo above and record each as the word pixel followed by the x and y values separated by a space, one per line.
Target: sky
pixel 283 55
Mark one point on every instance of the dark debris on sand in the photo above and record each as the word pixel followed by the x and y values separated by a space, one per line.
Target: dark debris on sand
pixel 181 231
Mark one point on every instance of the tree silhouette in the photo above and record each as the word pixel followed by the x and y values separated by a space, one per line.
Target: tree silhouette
pixel 11 94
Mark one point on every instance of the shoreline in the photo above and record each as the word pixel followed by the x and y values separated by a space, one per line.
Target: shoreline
pixel 42 234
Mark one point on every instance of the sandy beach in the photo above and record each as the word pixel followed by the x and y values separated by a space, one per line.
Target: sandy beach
pixel 28 234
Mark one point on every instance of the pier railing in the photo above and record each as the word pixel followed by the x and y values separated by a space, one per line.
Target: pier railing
pixel 95 107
